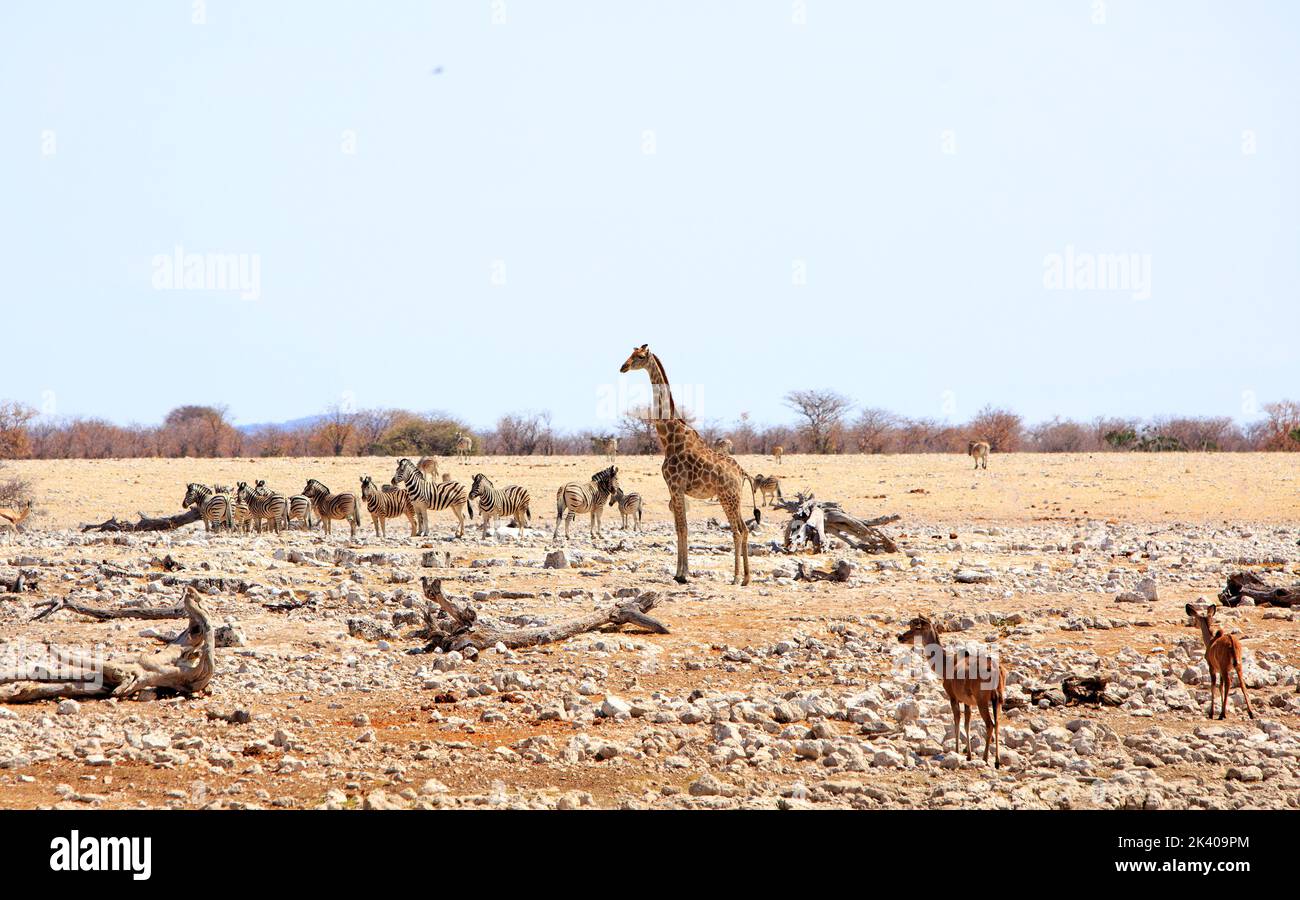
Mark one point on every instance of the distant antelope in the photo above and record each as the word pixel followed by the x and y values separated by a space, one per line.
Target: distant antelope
pixel 332 506
pixel 768 486
pixel 12 517
pixel 777 452
pixel 723 445
pixel 606 445
pixel 978 451
pixel 1223 653
pixel 590 497
pixel 629 507
pixel 464 444
pixel 386 504
pixel 968 679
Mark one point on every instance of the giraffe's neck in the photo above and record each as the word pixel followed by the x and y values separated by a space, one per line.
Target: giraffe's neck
pixel 662 391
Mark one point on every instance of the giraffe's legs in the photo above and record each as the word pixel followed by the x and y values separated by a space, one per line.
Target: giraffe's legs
pixel 677 503
pixel 739 537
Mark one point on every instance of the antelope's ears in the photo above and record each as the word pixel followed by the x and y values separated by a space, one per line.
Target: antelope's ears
pixel 1191 610
pixel 1211 610
pixel 643 346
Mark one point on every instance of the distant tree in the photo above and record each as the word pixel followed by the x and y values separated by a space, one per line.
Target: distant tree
pixel 1001 428
pixel 15 439
pixel 1061 436
pixel 370 426
pixel 421 436
pixel 873 430
pixel 1281 427
pixel 636 433
pixel 335 431
pixel 823 417
pixel 200 431
pixel 521 434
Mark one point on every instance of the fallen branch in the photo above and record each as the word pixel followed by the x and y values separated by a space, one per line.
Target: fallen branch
pixel 186 666
pixel 1247 584
pixel 148 523
pixel 842 572
pixel 449 626
pixel 17 583
pixel 50 607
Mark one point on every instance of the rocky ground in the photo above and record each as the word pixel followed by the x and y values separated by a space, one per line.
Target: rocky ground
pixel 782 694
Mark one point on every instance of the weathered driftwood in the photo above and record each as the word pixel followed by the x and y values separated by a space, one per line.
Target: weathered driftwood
pixel 148 523
pixel 842 571
pixel 1248 584
pixel 209 583
pixel 450 626
pixel 50 607
pixel 812 520
pixel 186 666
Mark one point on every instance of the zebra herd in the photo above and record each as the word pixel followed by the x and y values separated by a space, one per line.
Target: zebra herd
pixel 412 493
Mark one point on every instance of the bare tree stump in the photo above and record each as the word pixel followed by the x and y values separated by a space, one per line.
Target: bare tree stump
pixel 186 666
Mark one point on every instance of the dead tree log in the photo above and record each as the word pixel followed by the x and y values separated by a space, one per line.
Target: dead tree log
pixel 148 523
pixel 843 571
pixel 450 626
pixel 50 607
pixel 186 666
pixel 812 520
pixel 1248 584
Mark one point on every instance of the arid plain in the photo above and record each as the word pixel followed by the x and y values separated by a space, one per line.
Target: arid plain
pixel 784 693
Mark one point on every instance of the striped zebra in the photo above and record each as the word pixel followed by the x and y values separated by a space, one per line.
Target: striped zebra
pixel 768 485
pixel 264 505
pixel 629 506
pixel 215 509
pixel 427 495
pixel 592 497
pixel 332 506
pixel 511 500
pixel 386 504
pixel 299 506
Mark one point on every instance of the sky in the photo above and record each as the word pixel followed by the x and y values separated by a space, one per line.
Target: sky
pixel 1064 207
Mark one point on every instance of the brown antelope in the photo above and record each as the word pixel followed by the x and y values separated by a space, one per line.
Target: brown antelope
pixel 977 679
pixel 777 452
pixel 978 451
pixel 1223 653
pixel 463 444
pixel 12 517
pixel 769 486
pixel 607 445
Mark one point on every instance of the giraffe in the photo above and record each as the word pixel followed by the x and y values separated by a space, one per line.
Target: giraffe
pixel 693 468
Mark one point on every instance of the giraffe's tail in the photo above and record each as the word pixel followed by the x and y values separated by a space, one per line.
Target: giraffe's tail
pixel 753 499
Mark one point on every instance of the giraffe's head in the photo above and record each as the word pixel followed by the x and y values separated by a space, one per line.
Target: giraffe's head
pixel 640 359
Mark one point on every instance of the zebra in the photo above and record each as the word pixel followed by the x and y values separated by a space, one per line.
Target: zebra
pixel 768 485
pixel 215 509
pixel 629 506
pixel 263 504
pixel 299 506
pixel 332 506
pixel 576 497
pixel 511 500
pixel 426 495
pixel 385 505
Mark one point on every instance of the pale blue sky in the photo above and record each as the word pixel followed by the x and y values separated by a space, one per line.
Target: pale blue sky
pixel 774 143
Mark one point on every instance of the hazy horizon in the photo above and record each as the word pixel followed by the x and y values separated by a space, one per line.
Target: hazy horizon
pixel 1067 208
